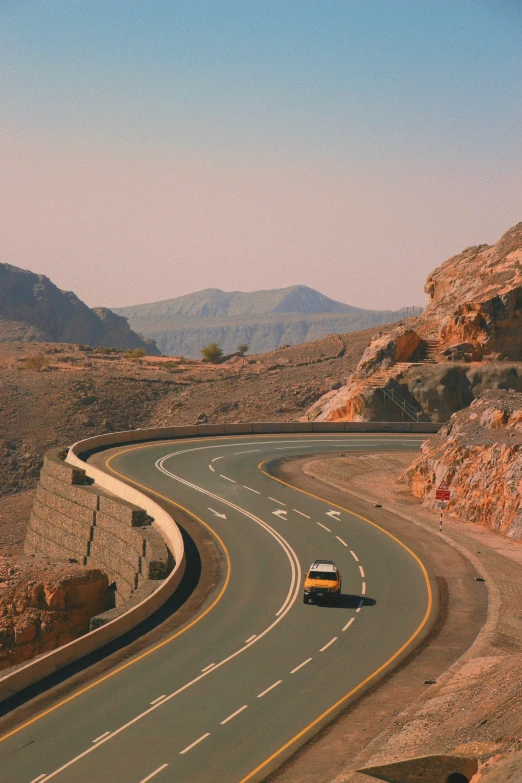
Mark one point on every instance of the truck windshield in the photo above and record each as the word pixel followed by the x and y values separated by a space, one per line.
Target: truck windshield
pixel 321 575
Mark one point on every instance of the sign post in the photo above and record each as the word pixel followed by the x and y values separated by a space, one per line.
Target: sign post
pixel 442 494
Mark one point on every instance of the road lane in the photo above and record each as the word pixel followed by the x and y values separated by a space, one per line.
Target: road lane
pixel 341 645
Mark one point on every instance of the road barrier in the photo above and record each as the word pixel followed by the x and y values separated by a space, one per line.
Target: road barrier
pixel 50 662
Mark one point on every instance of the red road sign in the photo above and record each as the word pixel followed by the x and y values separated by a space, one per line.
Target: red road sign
pixel 443 492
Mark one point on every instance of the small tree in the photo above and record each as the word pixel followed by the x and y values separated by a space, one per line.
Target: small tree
pixel 138 353
pixel 37 362
pixel 242 349
pixel 211 352
pixel 128 353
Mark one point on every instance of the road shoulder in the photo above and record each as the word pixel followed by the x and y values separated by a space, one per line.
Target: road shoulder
pixel 353 738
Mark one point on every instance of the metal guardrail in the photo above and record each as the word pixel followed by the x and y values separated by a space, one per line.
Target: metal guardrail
pixel 404 405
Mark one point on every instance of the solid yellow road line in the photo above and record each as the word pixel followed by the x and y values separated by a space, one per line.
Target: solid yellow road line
pixel 160 644
pixel 377 671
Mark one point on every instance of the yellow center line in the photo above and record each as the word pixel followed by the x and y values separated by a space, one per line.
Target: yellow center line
pixel 384 665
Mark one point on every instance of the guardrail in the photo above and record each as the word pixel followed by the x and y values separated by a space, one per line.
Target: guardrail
pixel 50 662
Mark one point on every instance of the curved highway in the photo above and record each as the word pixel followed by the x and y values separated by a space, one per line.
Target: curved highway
pixel 257 671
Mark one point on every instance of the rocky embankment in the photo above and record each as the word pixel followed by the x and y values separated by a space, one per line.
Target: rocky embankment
pixel 44 605
pixel 479 455
pixel 473 319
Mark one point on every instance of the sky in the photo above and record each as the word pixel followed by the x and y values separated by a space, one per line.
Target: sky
pixel 152 149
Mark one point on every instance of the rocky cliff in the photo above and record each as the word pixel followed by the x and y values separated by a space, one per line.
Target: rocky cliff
pixel 44 605
pixel 479 455
pixel 263 320
pixel 33 308
pixel 474 316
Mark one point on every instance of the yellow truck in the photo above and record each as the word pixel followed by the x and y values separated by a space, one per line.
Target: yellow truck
pixel 322 582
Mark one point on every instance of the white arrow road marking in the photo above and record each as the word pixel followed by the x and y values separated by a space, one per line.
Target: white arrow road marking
pixel 223 516
pixel 334 514
pixel 280 513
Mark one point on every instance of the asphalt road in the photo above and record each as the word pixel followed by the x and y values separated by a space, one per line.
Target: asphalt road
pixel 257 671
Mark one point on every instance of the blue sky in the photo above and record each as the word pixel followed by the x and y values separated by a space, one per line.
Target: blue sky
pixel 309 106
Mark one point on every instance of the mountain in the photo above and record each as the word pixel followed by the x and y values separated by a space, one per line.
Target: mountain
pixel 32 309
pixel 264 320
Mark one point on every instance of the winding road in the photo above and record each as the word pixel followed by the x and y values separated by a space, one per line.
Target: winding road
pixel 250 678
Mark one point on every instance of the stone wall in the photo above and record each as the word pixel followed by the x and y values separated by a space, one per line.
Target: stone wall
pixel 73 520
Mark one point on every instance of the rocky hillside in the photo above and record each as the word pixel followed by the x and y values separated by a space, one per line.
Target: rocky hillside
pixel 263 320
pixel 32 309
pixel 436 363
pixel 479 447
pixel 77 393
pixel 44 605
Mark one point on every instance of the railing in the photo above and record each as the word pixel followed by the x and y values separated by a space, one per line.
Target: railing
pixel 404 405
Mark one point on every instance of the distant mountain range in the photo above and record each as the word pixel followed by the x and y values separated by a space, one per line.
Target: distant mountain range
pixel 32 309
pixel 263 320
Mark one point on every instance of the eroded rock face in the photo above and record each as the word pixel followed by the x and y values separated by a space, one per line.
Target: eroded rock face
pixel 474 314
pixel 479 455
pixel 44 605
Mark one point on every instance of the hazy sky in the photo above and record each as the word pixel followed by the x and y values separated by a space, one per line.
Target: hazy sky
pixel 151 149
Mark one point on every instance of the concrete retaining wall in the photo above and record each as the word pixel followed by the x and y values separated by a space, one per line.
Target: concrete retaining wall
pixel 71 519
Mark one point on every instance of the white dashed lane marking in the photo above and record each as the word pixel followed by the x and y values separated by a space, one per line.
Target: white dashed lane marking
pixel 328 645
pixel 301 513
pixel 216 458
pixel 212 469
pixel 341 540
pixel 354 555
pixel 247 452
pixel 360 606
pixel 326 528
pixel 300 666
pixel 259 695
pixel 277 501
pixel 152 774
pixel 227 478
pixel 251 490
pixel 361 569
pixel 189 747
pixel 363 591
pixel 348 623
pixel 234 714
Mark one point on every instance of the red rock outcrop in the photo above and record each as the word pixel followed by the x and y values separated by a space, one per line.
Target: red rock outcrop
pixel 44 605
pixel 474 314
pixel 478 453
